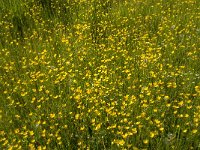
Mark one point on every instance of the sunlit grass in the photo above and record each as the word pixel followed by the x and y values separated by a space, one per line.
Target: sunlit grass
pixel 99 74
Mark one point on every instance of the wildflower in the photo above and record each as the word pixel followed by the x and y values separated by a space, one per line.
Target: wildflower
pixel 194 131
pixel 146 141
pixel 52 115
pixel 119 142
pixel 31 133
pixel 152 134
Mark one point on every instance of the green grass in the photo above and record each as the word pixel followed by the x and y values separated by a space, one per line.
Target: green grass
pixel 99 74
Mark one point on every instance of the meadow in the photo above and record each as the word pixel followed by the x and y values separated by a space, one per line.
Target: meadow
pixel 99 74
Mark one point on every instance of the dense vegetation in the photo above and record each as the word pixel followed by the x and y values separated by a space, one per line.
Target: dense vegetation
pixel 99 74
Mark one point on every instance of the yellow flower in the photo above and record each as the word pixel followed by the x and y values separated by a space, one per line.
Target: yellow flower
pixel 82 128
pixel 39 148
pixel 31 146
pixel 119 142
pixel 161 129
pixel 180 103
pixel 166 97
pixel 77 116
pixel 17 116
pixel 145 141
pixel 52 115
pixel 185 130
pixel 194 131
pixel 197 89
pixel 31 133
pixel 98 126
pixel 152 134
pixel 58 138
pixel 16 131
pixel 134 130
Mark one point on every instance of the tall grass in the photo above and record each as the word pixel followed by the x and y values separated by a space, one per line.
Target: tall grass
pixel 99 74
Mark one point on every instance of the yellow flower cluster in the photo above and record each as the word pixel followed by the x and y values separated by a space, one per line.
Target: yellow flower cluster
pixel 99 74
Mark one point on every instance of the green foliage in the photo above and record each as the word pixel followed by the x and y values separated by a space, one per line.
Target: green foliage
pixel 99 74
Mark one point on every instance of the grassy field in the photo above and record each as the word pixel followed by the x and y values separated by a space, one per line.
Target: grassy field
pixel 99 74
